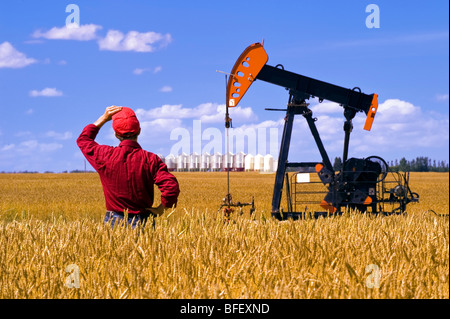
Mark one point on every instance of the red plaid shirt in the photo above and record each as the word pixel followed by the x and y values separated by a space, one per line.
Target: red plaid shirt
pixel 128 173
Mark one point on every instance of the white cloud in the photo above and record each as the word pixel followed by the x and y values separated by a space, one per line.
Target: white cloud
pixel 139 71
pixel 29 156
pixel 7 147
pixel 265 124
pixel 399 125
pixel 393 114
pixel 29 112
pixel 403 125
pixel 82 33
pixel 31 146
pixel 59 136
pixel 166 89
pixel 329 127
pixel 133 41
pixel 394 108
pixel 33 41
pixel 165 111
pixel 206 112
pixel 11 58
pixel 159 125
pixel 157 69
pixel 114 40
pixel 327 107
pixel 442 97
pixel 23 134
pixel 49 147
pixel 217 115
pixel 49 92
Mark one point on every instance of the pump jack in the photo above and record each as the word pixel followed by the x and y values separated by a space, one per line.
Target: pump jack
pixel 361 183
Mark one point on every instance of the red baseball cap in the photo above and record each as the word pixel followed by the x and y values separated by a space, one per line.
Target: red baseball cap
pixel 125 122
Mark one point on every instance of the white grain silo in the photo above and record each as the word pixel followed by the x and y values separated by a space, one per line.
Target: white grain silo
pixel 268 163
pixel 259 162
pixel 228 161
pixel 171 162
pixel 182 162
pixel 249 162
pixel 194 162
pixel 239 161
pixel 205 162
pixel 216 162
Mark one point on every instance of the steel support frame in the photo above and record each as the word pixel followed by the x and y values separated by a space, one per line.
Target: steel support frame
pixel 294 107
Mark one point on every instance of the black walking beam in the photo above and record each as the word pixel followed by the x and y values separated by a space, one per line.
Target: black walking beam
pixel 351 98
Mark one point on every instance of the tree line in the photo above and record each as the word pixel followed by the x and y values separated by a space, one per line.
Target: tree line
pixel 419 164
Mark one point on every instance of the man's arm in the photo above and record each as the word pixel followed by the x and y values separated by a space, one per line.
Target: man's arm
pixel 168 186
pixel 86 142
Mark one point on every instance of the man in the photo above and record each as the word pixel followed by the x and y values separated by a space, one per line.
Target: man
pixel 127 172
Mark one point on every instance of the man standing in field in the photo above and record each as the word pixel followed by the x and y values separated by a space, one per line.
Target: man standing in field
pixel 127 172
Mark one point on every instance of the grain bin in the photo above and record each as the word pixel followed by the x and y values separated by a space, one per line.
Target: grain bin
pixel 239 161
pixel 194 162
pixel 249 162
pixel 259 162
pixel 275 165
pixel 216 162
pixel 268 163
pixel 182 162
pixel 228 165
pixel 205 162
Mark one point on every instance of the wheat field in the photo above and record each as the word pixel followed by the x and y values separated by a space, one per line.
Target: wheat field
pixel 55 245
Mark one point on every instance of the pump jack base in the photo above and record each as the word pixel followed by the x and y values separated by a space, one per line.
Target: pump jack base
pixel 301 215
pixel 314 215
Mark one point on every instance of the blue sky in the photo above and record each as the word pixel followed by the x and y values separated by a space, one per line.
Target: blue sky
pixel 160 58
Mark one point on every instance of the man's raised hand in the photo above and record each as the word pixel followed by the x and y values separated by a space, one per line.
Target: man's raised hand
pixel 110 111
pixel 107 116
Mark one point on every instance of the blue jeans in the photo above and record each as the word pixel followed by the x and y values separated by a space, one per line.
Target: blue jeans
pixel 135 220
